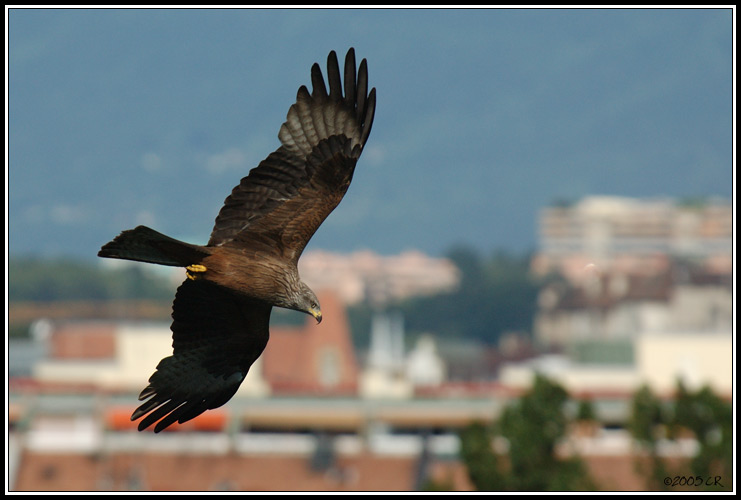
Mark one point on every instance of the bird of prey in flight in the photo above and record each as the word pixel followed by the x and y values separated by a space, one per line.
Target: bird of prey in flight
pixel 221 312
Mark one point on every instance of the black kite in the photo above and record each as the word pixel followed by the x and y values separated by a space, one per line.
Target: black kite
pixel 222 310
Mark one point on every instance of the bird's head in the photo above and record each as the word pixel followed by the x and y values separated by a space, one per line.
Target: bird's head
pixel 308 303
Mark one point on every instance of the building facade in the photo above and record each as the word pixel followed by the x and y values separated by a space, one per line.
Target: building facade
pixel 628 234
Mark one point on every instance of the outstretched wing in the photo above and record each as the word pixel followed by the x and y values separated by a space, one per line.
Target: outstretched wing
pixel 217 335
pixel 282 201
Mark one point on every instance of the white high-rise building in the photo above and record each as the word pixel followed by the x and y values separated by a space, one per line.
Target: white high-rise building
pixel 627 234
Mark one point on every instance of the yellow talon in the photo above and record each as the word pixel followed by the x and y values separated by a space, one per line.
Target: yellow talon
pixel 195 268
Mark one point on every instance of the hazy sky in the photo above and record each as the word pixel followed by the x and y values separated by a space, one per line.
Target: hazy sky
pixel 123 117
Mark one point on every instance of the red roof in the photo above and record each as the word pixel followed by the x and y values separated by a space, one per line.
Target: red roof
pixel 165 471
pixel 316 359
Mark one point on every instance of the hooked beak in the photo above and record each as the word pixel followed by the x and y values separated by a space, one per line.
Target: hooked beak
pixel 317 313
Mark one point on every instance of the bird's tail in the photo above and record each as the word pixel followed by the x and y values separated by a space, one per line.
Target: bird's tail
pixel 147 245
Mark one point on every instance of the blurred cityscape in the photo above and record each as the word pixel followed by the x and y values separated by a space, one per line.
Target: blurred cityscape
pixel 632 294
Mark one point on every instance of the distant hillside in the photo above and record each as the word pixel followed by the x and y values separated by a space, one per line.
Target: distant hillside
pixel 49 280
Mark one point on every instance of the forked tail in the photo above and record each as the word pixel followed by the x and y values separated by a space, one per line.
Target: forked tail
pixel 147 245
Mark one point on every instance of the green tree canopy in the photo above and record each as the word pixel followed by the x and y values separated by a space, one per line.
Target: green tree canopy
pixel 46 280
pixel 532 426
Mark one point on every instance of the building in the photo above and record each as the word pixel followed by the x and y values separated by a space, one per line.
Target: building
pixel 626 234
pixel 655 359
pixel 618 268
pixel 365 276
pixel 391 372
pixel 635 292
pixel 618 305
pixel 186 470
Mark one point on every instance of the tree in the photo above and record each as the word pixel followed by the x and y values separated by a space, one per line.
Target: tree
pixel 482 464
pixel 585 411
pixel 705 416
pixel 47 280
pixel 710 420
pixel 495 295
pixel 646 424
pixel 532 426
